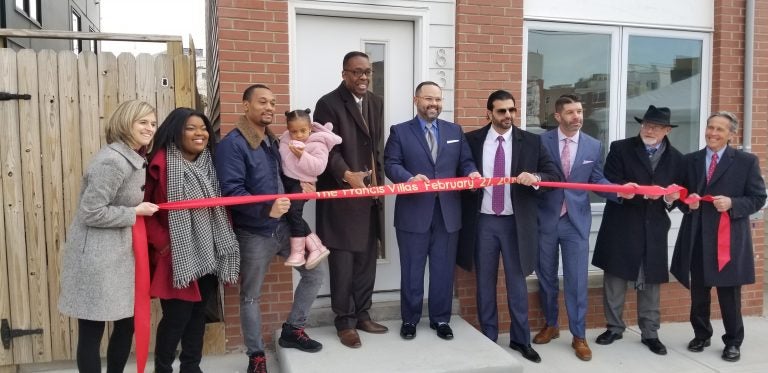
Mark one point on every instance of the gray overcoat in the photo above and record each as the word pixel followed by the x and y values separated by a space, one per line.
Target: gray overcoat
pixel 97 264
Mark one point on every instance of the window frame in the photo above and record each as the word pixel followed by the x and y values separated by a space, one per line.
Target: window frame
pixel 619 69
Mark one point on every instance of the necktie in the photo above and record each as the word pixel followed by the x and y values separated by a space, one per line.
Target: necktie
pixel 497 200
pixel 712 165
pixel 431 141
pixel 360 106
pixel 565 161
pixel 651 151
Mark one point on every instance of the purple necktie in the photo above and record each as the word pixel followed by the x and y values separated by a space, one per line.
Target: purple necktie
pixel 497 202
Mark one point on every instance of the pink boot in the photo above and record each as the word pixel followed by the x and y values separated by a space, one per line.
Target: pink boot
pixel 317 251
pixel 296 259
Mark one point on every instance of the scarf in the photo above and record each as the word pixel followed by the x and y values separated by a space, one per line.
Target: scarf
pixel 202 240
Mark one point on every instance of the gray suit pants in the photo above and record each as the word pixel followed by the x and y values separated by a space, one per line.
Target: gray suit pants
pixel 648 315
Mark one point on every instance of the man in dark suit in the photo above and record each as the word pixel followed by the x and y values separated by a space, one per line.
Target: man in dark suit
pixel 631 245
pixel 351 227
pixel 502 220
pixel 427 224
pixel 699 263
pixel 565 217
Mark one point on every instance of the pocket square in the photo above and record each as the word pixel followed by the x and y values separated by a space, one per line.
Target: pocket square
pixel 451 141
pixel 587 162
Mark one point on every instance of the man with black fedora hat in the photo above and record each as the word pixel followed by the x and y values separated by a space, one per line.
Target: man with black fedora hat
pixel 631 245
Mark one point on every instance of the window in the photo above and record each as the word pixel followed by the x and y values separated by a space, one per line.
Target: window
pixel 31 8
pixel 617 72
pixel 77 45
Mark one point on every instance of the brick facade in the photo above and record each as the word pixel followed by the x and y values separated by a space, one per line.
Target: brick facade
pixel 253 48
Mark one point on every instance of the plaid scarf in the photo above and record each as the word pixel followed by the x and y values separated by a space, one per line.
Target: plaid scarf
pixel 202 240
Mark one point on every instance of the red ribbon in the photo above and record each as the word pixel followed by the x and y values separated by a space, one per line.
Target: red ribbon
pixel 141 311
pixel 723 232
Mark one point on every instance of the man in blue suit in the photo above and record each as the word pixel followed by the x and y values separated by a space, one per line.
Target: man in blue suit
pixel 565 217
pixel 427 224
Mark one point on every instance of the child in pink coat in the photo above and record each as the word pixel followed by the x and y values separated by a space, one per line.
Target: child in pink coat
pixel 304 149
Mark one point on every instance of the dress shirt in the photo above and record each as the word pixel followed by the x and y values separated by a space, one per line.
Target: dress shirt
pixel 489 154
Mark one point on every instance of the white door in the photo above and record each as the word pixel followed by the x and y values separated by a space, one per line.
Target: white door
pixel 321 43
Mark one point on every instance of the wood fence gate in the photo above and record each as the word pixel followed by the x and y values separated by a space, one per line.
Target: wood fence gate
pixel 46 141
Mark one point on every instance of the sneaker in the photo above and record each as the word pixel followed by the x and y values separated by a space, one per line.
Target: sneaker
pixel 292 337
pixel 257 363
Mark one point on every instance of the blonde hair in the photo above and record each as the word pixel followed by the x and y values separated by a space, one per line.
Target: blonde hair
pixel 121 121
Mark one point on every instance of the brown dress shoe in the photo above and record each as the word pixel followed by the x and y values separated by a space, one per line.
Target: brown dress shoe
pixel 582 349
pixel 371 326
pixel 546 334
pixel 349 338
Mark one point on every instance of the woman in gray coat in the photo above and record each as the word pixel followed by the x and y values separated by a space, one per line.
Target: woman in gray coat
pixel 97 271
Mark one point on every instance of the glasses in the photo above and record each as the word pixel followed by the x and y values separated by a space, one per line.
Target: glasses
pixel 431 99
pixel 359 73
pixel 652 127
pixel 503 111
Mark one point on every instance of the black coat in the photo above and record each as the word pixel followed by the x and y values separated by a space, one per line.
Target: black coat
pixel 737 176
pixel 634 231
pixel 361 146
pixel 529 155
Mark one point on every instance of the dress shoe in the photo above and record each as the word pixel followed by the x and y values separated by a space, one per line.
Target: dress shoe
pixel 655 345
pixel 349 338
pixel 408 331
pixel 443 330
pixel 697 345
pixel 731 353
pixel 526 350
pixel 546 334
pixel 370 326
pixel 581 348
pixel 607 337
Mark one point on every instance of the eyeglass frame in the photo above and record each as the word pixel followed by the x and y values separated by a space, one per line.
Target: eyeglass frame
pixel 358 73
pixel 652 127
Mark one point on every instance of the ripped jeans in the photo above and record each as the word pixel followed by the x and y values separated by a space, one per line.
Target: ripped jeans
pixel 256 253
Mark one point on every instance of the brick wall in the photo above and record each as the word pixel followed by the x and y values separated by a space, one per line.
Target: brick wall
pixel 253 48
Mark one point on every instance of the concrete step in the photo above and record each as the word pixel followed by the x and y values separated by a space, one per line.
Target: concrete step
pixel 381 310
pixel 470 351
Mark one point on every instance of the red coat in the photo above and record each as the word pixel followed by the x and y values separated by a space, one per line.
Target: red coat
pixel 159 239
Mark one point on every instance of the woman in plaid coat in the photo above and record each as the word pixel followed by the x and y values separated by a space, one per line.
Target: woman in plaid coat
pixel 190 249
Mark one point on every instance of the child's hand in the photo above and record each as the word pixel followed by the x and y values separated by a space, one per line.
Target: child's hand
pixel 296 151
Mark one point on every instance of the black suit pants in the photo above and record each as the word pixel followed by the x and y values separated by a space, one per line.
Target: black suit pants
pixel 729 298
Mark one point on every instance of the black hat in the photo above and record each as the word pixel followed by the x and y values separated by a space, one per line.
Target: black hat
pixel 657 116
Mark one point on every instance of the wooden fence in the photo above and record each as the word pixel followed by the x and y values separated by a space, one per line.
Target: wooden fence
pixel 45 144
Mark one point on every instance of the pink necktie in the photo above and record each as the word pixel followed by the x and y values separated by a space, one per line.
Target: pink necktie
pixel 565 161
pixel 497 200
pixel 712 165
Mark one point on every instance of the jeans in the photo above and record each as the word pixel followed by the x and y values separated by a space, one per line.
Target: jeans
pixel 256 252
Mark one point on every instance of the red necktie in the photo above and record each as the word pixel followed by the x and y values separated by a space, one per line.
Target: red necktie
pixel 712 165
pixel 565 161
pixel 497 200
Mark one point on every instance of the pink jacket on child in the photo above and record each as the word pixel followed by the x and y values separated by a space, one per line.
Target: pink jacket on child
pixel 315 157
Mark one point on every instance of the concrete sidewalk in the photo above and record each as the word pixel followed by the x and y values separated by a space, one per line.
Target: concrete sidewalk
pixel 627 355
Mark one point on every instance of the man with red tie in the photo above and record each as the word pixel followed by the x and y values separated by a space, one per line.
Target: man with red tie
pixel 701 261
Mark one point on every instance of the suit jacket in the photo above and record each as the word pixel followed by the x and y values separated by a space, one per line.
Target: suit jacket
pixel 360 150
pixel 587 168
pixel 634 231
pixel 737 176
pixel 407 154
pixel 530 155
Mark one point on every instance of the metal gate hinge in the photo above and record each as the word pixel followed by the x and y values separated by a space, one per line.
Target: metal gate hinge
pixel 5 96
pixel 8 334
